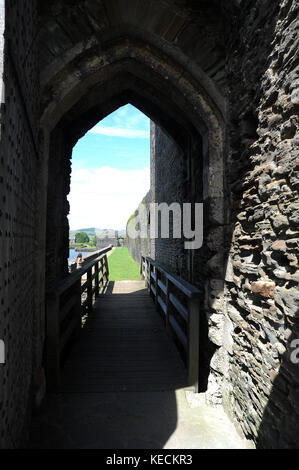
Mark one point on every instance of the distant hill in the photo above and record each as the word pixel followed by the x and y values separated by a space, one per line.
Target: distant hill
pixel 92 231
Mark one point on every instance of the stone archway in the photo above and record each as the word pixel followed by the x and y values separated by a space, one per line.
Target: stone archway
pixel 61 52
pixel 130 70
pixel 204 68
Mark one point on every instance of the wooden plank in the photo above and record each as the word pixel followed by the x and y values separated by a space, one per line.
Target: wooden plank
pixel 106 267
pixel 153 290
pixel 162 286
pixel 97 274
pixel 89 290
pixel 179 332
pixel 179 307
pixel 157 289
pixel 67 307
pixel 149 277
pixel 72 327
pixel 94 290
pixel 185 287
pixel 84 286
pixel 78 307
pixel 162 304
pixel 124 346
pixel 53 342
pixel 193 343
pixel 93 276
pixel 167 307
pixel 75 276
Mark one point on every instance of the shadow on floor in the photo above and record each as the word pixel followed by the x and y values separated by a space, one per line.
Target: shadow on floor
pixel 279 427
pixel 125 420
pixel 118 385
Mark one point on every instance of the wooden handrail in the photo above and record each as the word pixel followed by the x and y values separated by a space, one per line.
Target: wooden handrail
pixel 188 289
pixel 75 275
pixel 65 308
pixel 182 321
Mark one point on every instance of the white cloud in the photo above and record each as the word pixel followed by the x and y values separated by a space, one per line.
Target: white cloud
pixel 138 119
pixel 129 117
pixel 106 197
pixel 120 132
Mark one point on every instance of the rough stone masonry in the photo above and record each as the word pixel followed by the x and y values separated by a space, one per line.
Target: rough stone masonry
pixel 252 315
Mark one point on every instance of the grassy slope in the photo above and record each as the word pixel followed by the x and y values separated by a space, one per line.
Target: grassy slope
pixel 122 266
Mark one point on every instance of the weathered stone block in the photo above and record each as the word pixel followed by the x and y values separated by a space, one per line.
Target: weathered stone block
pixel 288 129
pixel 263 288
pixel 279 245
pixel 288 299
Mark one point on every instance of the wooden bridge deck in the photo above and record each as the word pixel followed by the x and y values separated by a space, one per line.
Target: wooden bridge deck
pixel 124 386
pixel 124 346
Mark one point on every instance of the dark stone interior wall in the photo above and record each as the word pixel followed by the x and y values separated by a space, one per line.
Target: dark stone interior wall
pixel 177 176
pixel 57 230
pixel 249 279
pixel 169 184
pixel 262 263
pixel 169 170
pixel 19 161
pixel 249 266
pixel 252 319
pixel 251 326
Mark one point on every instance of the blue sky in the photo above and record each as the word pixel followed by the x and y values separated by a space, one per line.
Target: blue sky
pixel 110 170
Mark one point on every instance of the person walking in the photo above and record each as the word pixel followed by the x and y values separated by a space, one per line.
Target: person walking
pixel 79 260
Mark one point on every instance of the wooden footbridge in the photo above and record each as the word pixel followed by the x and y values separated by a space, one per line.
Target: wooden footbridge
pixel 122 360
pixel 104 336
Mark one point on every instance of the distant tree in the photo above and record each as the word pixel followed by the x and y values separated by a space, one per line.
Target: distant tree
pixel 81 237
pixel 94 240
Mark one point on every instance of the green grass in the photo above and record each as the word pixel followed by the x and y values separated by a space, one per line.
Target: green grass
pixel 122 266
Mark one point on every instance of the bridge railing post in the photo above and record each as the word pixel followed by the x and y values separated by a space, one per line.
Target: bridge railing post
pixel 64 309
pixel 146 271
pixel 89 289
pixel 53 342
pixel 105 265
pixel 181 306
pixel 142 268
pixel 101 275
pixel 97 280
pixel 167 303
pixel 150 278
pixel 157 273
pixel 193 343
pixel 78 306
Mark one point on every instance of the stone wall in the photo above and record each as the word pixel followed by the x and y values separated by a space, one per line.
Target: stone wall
pixel 177 176
pixel 57 225
pixel 109 238
pixel 140 246
pixel 262 265
pixel 19 160
pixel 168 171
pixel 248 268
pixel 228 73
